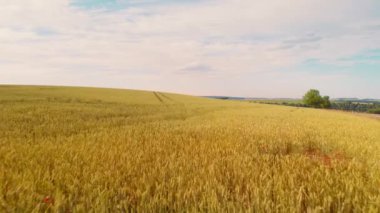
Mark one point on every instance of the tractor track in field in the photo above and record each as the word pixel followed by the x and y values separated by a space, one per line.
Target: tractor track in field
pixel 158 97
pixel 166 97
pixel 163 98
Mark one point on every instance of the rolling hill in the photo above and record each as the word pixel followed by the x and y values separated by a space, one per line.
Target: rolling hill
pixel 71 149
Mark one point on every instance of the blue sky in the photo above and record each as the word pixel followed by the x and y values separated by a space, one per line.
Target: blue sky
pixel 92 4
pixel 123 4
pixel 248 48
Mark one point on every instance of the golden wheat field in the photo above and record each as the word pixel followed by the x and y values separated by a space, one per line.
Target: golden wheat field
pixel 66 149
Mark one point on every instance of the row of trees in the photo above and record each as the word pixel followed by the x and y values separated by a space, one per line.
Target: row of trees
pixel 313 99
pixel 357 106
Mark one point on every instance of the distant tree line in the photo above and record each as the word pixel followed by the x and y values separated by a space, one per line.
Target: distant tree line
pixel 313 99
pixel 357 106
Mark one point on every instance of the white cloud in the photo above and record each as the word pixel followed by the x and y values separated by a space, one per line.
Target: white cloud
pixel 243 43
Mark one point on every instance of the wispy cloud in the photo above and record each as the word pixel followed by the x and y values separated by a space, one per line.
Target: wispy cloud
pixel 196 67
pixel 248 43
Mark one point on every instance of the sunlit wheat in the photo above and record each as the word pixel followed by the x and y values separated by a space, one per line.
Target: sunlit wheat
pixel 80 149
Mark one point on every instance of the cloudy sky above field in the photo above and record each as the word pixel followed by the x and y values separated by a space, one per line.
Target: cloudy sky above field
pixel 254 48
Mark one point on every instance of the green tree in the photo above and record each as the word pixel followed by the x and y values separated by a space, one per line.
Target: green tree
pixel 313 99
pixel 326 102
pixel 374 111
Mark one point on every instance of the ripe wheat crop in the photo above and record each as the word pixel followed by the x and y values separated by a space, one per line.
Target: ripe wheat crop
pixel 66 149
